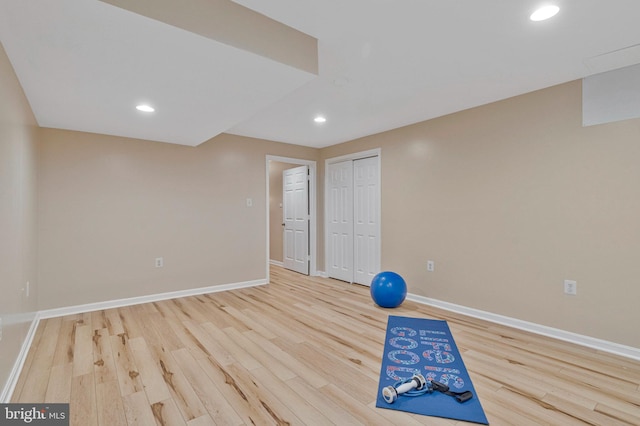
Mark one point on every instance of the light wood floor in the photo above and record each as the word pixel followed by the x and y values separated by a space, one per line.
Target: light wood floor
pixel 300 351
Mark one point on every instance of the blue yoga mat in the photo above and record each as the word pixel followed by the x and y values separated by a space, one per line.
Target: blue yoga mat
pixel 425 346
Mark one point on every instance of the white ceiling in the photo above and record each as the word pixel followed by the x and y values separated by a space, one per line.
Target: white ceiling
pixel 84 64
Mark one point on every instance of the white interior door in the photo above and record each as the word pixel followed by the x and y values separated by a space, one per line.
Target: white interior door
pixel 366 223
pixel 296 219
pixel 340 220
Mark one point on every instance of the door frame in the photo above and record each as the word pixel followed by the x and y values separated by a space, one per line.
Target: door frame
pixel 313 270
pixel 376 152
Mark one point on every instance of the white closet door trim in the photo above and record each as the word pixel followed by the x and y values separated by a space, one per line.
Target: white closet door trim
pixel 355 156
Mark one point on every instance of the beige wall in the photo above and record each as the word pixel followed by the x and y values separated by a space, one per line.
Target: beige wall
pixel 275 209
pixel 510 199
pixel 18 150
pixel 109 206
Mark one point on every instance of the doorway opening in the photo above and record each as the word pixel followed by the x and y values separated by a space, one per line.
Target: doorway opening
pixel 275 165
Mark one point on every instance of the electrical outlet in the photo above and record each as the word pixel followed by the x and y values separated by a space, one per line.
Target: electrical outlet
pixel 0 328
pixel 570 287
pixel 249 202
pixel 430 266
pixel 27 289
pixel 159 262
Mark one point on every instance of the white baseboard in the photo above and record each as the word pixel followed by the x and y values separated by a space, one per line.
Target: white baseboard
pixel 276 262
pixel 591 342
pixel 98 306
pixel 12 380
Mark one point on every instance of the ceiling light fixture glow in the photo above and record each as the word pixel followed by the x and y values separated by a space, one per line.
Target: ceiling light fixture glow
pixel 320 119
pixel 145 108
pixel 544 12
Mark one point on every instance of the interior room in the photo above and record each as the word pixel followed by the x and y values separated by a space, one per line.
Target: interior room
pixel 501 153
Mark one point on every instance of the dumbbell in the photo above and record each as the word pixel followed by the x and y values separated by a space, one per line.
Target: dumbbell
pixel 391 393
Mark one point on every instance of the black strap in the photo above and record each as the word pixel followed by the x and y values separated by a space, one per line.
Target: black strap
pixel 459 396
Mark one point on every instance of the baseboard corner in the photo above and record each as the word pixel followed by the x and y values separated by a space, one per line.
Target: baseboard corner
pixel 14 375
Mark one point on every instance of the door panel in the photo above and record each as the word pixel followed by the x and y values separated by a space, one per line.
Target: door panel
pixel 340 220
pixel 366 220
pixel 296 219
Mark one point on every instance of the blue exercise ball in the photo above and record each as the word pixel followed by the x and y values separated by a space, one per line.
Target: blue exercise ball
pixel 388 289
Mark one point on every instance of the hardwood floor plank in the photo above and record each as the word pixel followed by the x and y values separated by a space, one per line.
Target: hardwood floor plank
pixel 627 415
pixel 264 358
pixel 137 410
pixel 126 369
pixel 158 323
pixel 83 350
pixel 202 421
pixel 82 402
pixel 515 406
pixel 104 366
pixel 301 350
pixel 65 345
pixel 242 392
pixel 188 339
pixel 99 320
pixel 505 374
pixel 331 409
pixel 570 408
pixel 279 348
pixel 114 323
pixel 109 405
pixel 130 322
pixel 208 344
pixel 152 377
pixel 182 392
pixel 346 377
pixel 167 413
pixel 364 414
pixel 507 415
pixel 59 388
pixel 240 355
pixel 250 323
pixel 218 408
pixel 279 391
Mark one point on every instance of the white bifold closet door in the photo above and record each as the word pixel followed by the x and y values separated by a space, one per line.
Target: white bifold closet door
pixel 353 222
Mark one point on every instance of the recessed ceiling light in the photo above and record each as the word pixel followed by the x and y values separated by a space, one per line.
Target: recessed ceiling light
pixel 544 12
pixel 145 108
pixel 319 119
